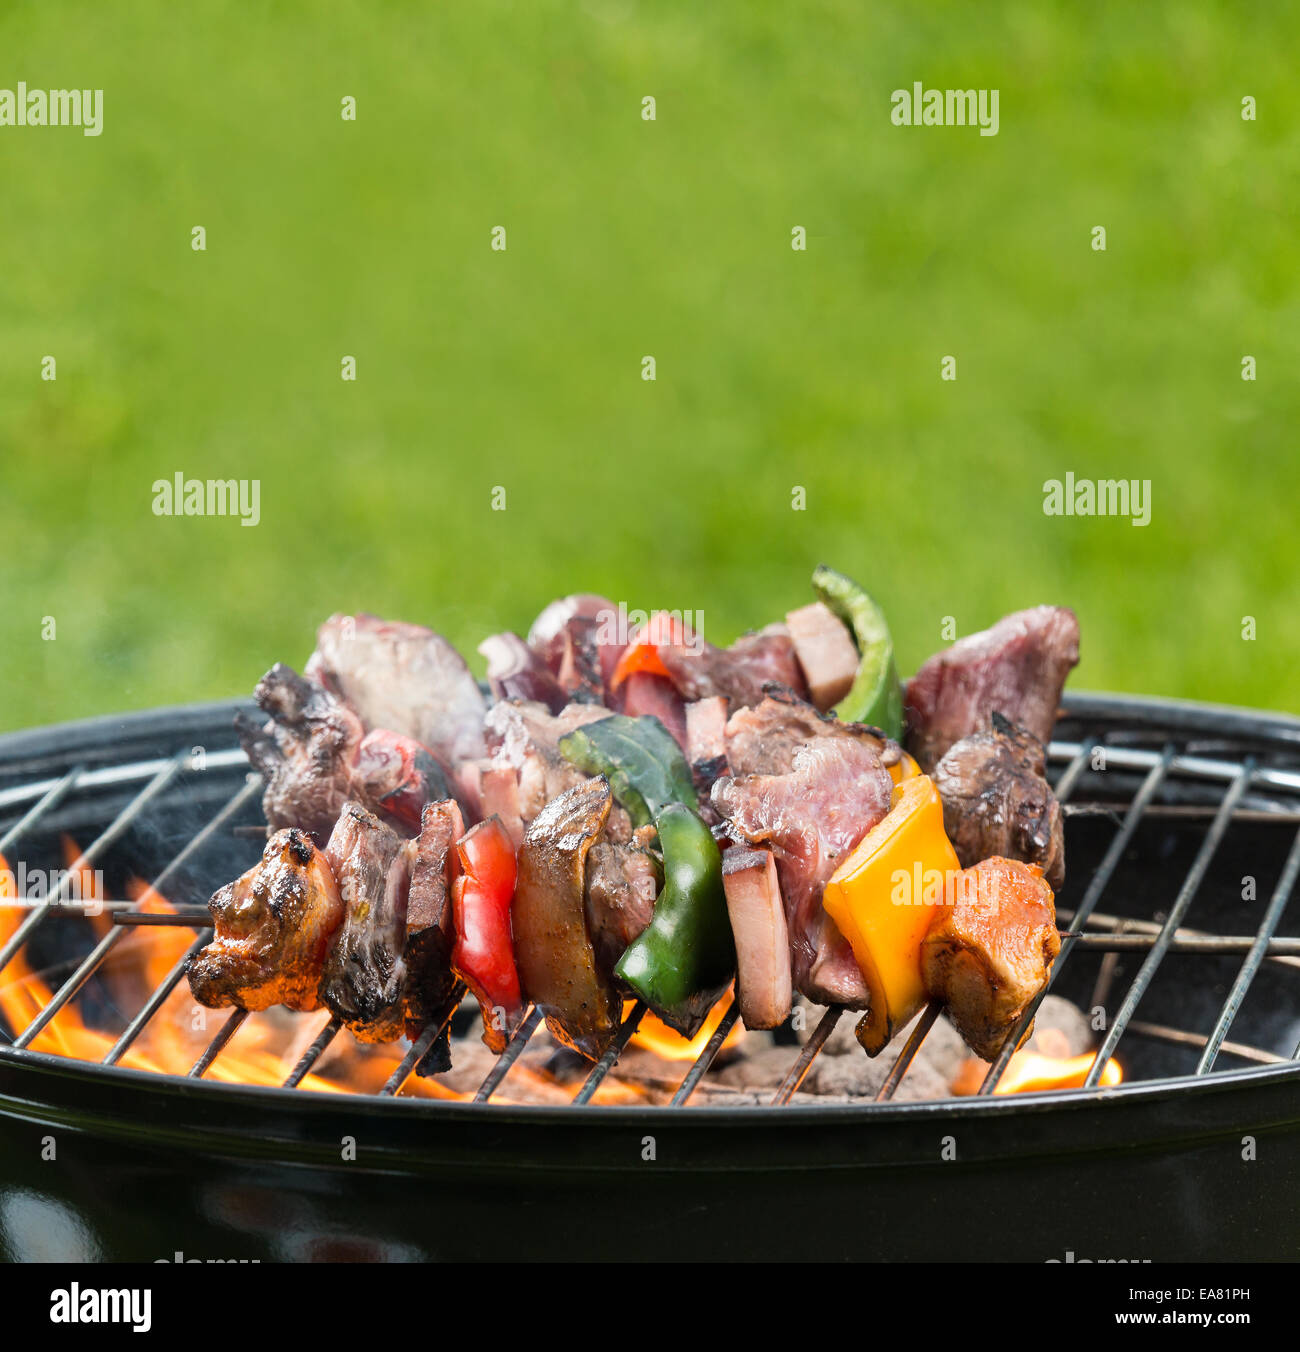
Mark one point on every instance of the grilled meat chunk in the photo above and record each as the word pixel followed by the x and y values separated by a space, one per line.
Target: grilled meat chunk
pixel 811 816
pixel 315 755
pixel 364 981
pixel 557 961
pixel 580 671
pixel 700 670
pixel 826 653
pixel 706 747
pixel 402 677
pixel 763 740
pixel 273 929
pixel 762 939
pixel 643 694
pixel 990 951
pixel 1017 668
pixel 546 635
pixel 997 801
pixel 525 739
pixel 515 671
pixel 306 752
pixel 429 933
pixel 622 882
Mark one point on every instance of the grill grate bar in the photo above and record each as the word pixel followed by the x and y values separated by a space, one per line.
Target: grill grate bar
pixel 704 1060
pixel 218 1044
pixel 1163 1033
pixel 133 772
pixel 1195 767
pixel 1191 884
pixel 513 1050
pixel 152 1005
pixel 420 1047
pixel 170 769
pixel 1096 885
pixel 910 1048
pixel 313 1053
pixel 106 945
pixel 612 1053
pixel 1254 959
pixel 1063 788
pixel 795 1076
pixel 53 795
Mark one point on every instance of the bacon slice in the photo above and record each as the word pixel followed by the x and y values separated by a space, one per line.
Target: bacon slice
pixel 826 653
pixel 762 939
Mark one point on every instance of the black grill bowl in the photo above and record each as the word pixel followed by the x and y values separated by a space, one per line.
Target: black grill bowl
pixel 1168 1166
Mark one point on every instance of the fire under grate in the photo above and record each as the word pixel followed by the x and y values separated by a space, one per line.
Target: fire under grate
pixel 1213 770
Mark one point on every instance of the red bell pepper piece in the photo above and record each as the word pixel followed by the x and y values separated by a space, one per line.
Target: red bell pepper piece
pixel 484 956
pixel 642 654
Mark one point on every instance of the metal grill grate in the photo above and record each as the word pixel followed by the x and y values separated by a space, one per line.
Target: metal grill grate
pixel 1253 775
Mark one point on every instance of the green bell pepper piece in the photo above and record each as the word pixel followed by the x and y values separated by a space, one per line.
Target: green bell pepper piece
pixel 686 957
pixel 876 696
pixel 644 765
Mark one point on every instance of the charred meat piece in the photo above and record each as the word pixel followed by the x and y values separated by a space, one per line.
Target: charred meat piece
pixel 364 982
pixel 622 882
pixel 306 752
pixel 515 671
pixel 762 939
pixel 997 801
pixel 763 740
pixel 429 932
pixel 315 756
pixel 525 739
pixel 273 929
pixel 1017 668
pixel 826 652
pixel 811 817
pixel 402 677
pixel 990 951
pixel 557 961
pixel 699 670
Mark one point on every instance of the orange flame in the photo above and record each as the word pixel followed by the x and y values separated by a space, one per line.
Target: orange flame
pixel 655 1035
pixel 1032 1073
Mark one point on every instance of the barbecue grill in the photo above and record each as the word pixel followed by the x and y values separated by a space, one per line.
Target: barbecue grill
pixel 1173 806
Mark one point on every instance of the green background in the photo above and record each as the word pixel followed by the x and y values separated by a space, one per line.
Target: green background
pixel 625 238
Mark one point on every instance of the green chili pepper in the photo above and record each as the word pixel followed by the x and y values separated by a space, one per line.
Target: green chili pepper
pixel 686 957
pixel 644 765
pixel 877 694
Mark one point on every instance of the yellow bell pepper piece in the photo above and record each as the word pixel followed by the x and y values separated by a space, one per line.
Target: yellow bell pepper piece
pixel 904 768
pixel 884 897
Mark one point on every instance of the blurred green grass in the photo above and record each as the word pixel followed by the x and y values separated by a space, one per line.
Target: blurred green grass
pixel 627 238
